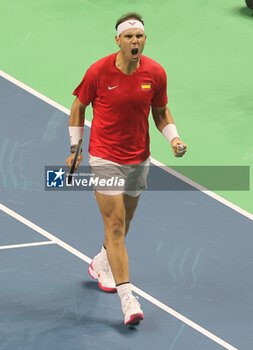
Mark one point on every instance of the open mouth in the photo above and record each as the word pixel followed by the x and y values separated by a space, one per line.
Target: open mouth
pixel 134 53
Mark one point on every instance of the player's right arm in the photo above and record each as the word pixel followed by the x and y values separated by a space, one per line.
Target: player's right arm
pixel 76 126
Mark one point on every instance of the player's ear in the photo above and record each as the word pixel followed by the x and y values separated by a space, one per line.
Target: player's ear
pixel 117 40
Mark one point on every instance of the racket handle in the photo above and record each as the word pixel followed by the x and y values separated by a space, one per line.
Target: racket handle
pixel 73 166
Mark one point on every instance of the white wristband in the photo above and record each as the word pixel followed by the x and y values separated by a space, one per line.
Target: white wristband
pixel 75 134
pixel 170 132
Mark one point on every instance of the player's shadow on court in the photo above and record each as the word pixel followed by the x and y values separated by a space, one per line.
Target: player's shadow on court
pixel 91 285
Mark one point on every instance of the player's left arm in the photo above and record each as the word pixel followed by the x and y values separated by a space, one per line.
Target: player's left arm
pixel 166 125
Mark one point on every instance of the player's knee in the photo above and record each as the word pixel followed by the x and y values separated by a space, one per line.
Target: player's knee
pixel 115 229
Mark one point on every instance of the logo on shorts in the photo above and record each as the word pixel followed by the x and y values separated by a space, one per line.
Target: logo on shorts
pixel 55 178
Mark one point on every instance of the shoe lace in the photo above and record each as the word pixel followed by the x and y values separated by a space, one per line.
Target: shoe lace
pixel 107 271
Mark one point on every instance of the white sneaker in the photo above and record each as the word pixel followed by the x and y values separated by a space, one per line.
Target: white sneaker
pixel 131 309
pixel 101 271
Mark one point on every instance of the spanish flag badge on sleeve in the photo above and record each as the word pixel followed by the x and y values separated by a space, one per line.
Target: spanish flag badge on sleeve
pixel 146 86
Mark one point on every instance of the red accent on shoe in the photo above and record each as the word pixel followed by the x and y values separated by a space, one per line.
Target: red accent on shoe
pixel 135 318
pixel 91 268
pixel 107 289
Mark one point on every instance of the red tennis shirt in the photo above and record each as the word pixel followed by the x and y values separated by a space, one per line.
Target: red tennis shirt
pixel 121 105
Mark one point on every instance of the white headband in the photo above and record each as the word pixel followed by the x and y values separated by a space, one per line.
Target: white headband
pixel 129 24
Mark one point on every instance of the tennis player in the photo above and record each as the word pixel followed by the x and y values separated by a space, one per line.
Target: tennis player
pixel 122 89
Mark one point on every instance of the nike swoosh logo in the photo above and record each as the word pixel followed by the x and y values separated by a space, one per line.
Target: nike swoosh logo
pixel 112 87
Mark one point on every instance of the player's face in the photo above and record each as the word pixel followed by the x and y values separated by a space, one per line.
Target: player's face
pixel 131 43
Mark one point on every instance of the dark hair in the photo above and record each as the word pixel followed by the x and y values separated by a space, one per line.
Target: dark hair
pixel 129 15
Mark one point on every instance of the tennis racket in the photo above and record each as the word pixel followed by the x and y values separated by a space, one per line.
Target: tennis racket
pixel 73 166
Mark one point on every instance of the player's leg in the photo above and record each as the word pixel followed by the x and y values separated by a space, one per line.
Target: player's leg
pixel 130 205
pixel 100 268
pixel 113 213
pixel 109 199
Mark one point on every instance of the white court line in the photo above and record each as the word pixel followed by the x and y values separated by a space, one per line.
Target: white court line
pixel 154 161
pixel 26 245
pixel 148 297
pixel 44 233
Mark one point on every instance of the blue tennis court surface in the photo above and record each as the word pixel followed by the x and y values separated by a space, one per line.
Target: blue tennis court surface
pixel 186 250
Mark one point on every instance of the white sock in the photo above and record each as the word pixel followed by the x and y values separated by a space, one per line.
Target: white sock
pixel 124 289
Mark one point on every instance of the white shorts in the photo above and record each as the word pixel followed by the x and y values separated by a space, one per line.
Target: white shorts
pixel 133 176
